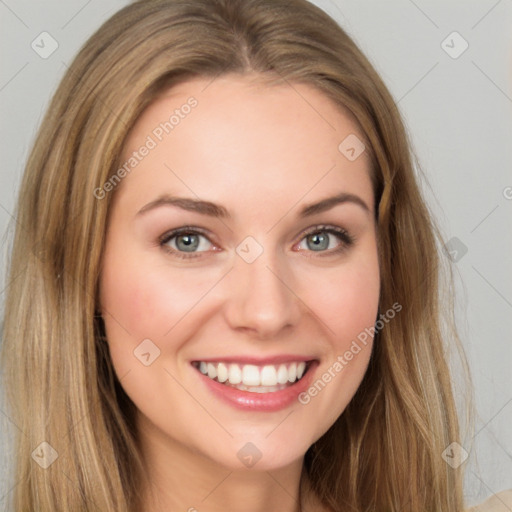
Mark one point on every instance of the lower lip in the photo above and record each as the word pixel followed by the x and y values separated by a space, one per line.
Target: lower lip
pixel 267 402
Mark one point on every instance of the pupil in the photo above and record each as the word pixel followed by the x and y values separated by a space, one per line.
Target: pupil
pixel 188 242
pixel 319 242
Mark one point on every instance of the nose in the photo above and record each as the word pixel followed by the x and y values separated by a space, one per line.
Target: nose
pixel 261 298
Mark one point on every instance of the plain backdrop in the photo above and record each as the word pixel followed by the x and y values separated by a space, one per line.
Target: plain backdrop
pixel 448 65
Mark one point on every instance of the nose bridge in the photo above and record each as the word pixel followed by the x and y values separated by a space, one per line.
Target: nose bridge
pixel 260 298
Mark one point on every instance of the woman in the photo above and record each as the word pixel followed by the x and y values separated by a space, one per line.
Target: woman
pixel 226 277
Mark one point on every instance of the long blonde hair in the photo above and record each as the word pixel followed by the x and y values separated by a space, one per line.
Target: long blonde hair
pixel 385 451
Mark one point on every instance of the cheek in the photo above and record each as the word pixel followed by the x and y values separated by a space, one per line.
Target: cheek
pixel 347 305
pixel 347 301
pixel 139 304
pixel 137 296
pixel 142 299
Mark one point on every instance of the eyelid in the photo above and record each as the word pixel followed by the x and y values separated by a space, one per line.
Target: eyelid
pixel 183 230
pixel 316 228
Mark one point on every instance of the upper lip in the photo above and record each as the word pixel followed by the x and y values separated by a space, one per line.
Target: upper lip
pixel 258 361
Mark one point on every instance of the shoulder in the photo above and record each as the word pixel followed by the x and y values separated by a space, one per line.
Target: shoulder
pixel 499 502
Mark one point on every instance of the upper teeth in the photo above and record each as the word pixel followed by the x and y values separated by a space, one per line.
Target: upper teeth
pixel 252 375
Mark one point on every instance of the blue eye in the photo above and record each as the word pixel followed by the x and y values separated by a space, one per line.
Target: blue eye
pixel 323 239
pixel 185 242
pixel 318 241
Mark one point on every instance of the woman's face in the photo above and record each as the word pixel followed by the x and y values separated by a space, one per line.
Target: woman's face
pixel 241 244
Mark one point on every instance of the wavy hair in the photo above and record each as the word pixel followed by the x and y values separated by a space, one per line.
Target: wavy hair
pixel 384 451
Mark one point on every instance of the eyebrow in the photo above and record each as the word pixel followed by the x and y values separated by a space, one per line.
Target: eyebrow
pixel 215 210
pixel 331 202
pixel 189 204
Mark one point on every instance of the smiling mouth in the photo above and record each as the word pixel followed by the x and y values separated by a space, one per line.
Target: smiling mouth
pixel 253 378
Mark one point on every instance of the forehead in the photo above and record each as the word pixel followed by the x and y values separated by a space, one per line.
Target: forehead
pixel 237 134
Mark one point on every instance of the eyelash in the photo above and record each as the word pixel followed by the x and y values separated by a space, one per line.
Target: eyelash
pixel 346 239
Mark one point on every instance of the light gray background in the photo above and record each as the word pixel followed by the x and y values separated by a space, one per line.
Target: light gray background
pixel 458 112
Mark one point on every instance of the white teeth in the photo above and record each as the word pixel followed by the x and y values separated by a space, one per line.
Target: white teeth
pixel 282 374
pixel 222 372
pixel 268 376
pixel 212 371
pixel 249 377
pixel 292 372
pixel 235 374
pixel 300 369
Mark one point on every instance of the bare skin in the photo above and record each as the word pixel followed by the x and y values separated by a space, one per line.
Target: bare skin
pixel 262 153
